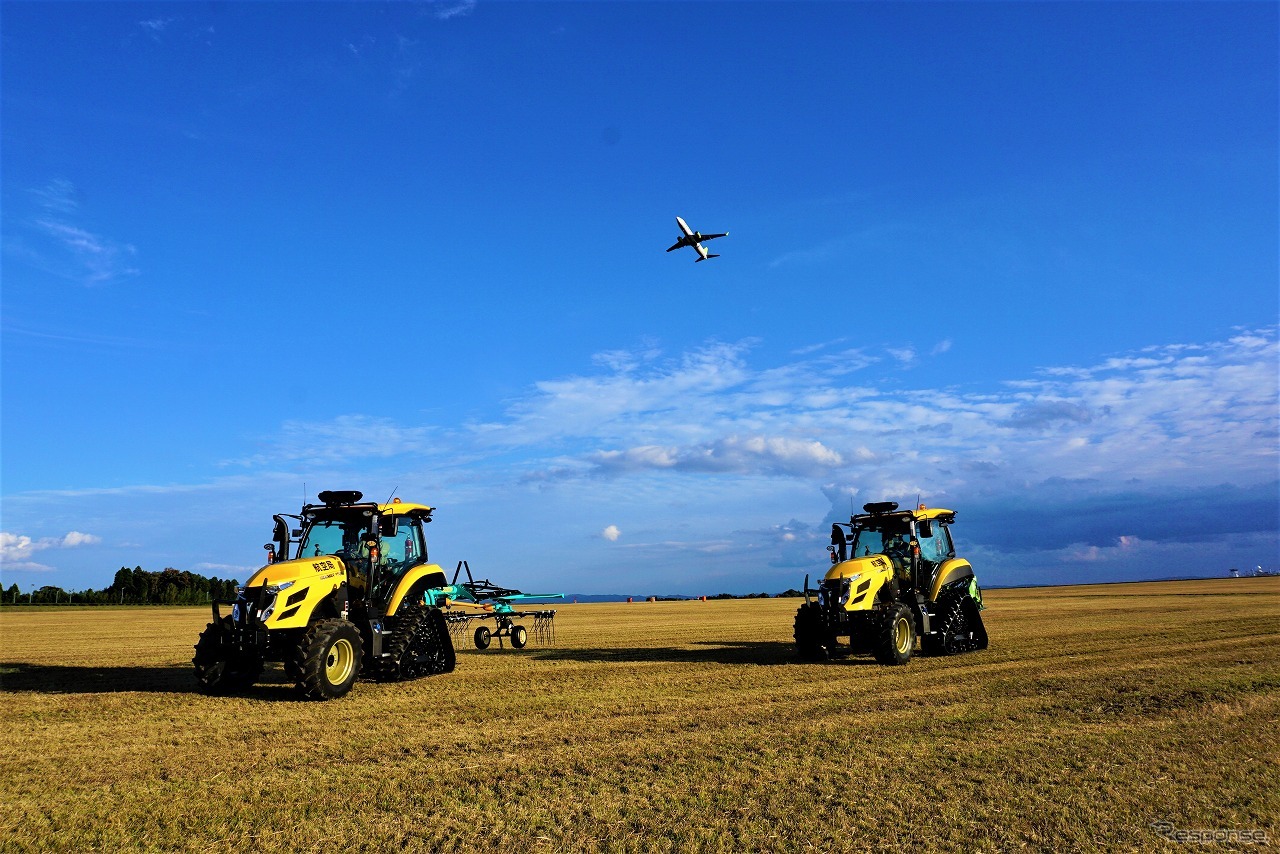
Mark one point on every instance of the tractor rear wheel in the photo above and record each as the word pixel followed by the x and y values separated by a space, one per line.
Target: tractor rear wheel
pixel 420 646
pixel 960 626
pixel 895 636
pixel 328 659
pixel 813 641
pixel 220 668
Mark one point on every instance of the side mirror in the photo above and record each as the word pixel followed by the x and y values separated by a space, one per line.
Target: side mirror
pixel 280 536
pixel 388 526
pixel 925 528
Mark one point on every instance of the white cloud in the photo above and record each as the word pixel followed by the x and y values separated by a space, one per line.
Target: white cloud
pixel 705 443
pixel 58 196
pixel 1182 414
pixel 15 549
pixel 224 570
pixel 345 438
pixel 449 9
pixel 55 241
pixel 905 355
pixel 760 454
pixel 611 533
pixel 102 259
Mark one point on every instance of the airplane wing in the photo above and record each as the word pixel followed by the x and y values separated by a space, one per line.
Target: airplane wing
pixel 714 236
pixel 680 244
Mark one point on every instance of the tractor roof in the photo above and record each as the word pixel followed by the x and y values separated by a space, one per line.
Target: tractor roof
pixel 403 508
pixel 889 510
pixel 933 513
pixel 350 499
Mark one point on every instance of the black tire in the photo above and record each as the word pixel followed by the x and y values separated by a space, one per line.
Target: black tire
pixel 519 637
pixel 482 637
pixel 960 626
pixel 813 640
pixel 328 659
pixel 220 668
pixel 895 636
pixel 420 645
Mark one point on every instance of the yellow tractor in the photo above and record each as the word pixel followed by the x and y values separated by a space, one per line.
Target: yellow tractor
pixel 894 578
pixel 349 601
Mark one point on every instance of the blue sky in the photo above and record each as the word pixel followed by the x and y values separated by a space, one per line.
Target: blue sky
pixel 1019 259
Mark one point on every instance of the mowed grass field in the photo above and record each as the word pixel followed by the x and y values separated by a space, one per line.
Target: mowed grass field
pixel 1097 712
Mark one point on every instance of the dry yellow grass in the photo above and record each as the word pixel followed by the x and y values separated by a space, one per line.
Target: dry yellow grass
pixel 665 726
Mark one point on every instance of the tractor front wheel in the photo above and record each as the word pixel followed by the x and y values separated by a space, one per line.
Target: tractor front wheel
pixel 813 641
pixel 220 667
pixel 328 659
pixel 895 637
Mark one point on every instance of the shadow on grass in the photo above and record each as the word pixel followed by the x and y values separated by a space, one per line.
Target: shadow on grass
pixel 769 653
pixel 17 676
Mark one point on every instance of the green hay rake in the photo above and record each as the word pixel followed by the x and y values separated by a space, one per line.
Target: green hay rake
pixel 480 601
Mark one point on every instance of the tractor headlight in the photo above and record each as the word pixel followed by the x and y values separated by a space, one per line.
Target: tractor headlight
pixel 269 594
pixel 835 592
pixel 268 607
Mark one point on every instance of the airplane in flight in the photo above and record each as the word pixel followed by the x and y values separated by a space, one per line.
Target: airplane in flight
pixel 694 239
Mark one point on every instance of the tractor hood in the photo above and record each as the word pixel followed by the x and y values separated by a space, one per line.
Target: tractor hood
pixel 859 566
pixel 303 569
pixel 284 595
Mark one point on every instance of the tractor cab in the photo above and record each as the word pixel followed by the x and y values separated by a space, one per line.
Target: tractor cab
pixel 917 542
pixel 379 544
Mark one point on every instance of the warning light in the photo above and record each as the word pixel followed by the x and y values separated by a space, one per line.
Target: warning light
pixel 397 501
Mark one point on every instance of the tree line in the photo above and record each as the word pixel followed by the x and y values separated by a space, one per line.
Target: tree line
pixel 134 586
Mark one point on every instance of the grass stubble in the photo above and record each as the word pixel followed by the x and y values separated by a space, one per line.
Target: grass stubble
pixel 1097 712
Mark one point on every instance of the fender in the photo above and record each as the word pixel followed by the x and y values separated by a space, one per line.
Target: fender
pixel 416 581
pixel 950 571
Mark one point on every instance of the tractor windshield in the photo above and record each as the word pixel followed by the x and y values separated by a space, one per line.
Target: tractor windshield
pixel 887 537
pixel 332 537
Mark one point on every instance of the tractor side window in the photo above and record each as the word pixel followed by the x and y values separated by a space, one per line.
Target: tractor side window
pixel 937 548
pixel 406 547
pixel 944 534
